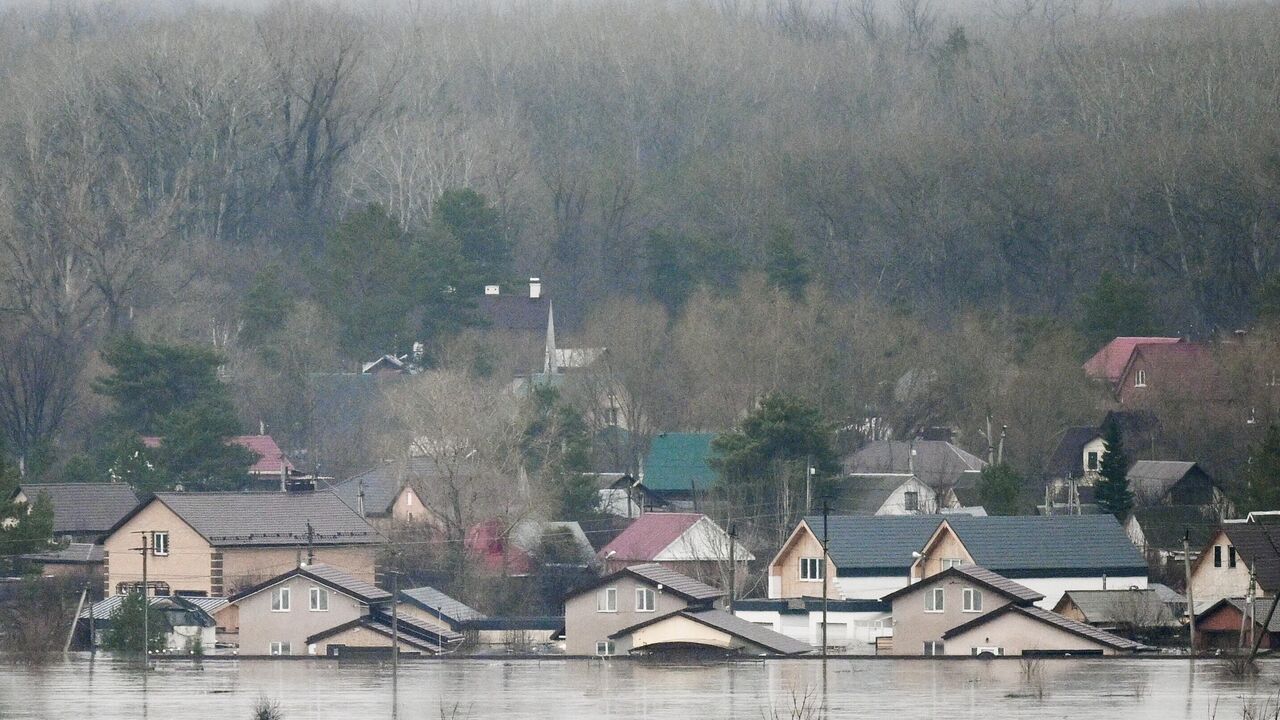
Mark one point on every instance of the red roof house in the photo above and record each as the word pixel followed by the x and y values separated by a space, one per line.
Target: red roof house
pixel 1109 363
pixel 271 459
pixel 1187 372
pixel 690 543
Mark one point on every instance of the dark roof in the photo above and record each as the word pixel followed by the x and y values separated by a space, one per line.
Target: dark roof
pixel 514 311
pixel 1049 618
pixel 733 625
pixel 1067 458
pixel 104 608
pixel 84 508
pixel 683 585
pixel 1013 546
pixel 543 622
pixel 1259 545
pixel 790 606
pixel 436 602
pixel 938 464
pixel 1262 606
pixel 72 554
pixel 1163 526
pixel 864 493
pixel 1133 424
pixel 267 518
pixel 1020 594
pixel 1151 480
pixel 411 632
pixel 381 485
pixel 678 462
pixel 325 575
pixel 1134 605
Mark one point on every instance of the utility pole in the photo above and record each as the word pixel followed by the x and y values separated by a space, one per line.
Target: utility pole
pixel 733 565
pixel 1191 600
pixel 395 623
pixel 1004 429
pixel 808 485
pixel 825 511
pixel 1257 640
pixel 146 600
pixel 311 552
pixel 76 618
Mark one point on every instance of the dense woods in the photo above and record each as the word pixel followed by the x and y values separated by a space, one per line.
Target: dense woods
pixel 892 209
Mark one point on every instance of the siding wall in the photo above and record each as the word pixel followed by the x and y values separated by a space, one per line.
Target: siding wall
pixel 1210 584
pixel 1017 633
pixel 784 573
pixel 260 625
pixel 913 627
pixel 584 626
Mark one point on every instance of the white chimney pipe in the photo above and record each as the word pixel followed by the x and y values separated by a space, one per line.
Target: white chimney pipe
pixel 535 288
pixel 492 289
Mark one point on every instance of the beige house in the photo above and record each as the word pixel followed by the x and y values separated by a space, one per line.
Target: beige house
pixel 1031 630
pixel 214 544
pixel 321 610
pixel 1235 553
pixel 385 495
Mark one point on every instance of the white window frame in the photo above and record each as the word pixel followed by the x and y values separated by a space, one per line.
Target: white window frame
pixel 933 648
pixel 281 647
pixel 1140 379
pixel 646 600
pixel 1093 460
pixel 607 600
pixel 911 501
pixel 158 540
pixel 935 600
pixel 948 563
pixel 605 648
pixel 972 600
pixel 317 597
pixel 812 569
pixel 281 599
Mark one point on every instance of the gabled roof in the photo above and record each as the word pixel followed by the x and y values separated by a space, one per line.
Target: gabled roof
pixel 72 554
pixel 1259 546
pixel 437 603
pixel 1019 594
pixel 1189 369
pixel 1163 526
pixel 678 462
pixel 386 362
pixel 1068 456
pixel 514 311
pixel 1151 480
pixel 1089 632
pixel 1141 605
pixel 83 508
pixel 381 485
pixel 1013 546
pixel 866 493
pixel 731 625
pixel 1109 362
pixel 937 463
pixel 1261 608
pixel 412 632
pixel 326 575
pixel 671 537
pixel 104 608
pixel 528 535
pixel 251 519
pixel 671 581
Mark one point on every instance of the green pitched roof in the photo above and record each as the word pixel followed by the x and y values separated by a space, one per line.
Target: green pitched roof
pixel 677 462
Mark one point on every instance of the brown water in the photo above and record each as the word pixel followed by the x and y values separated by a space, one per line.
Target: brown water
pixel 1155 689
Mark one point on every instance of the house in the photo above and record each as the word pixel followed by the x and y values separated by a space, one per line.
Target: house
pixel 537 635
pixel 1073 467
pixel 433 606
pixel 689 543
pixel 214 544
pixel 387 365
pixel 887 494
pixel 853 626
pixel 385 495
pixel 74 560
pixel 646 609
pixel 1108 364
pixel 942 466
pixel 1218 626
pixel 189 625
pixel 1158 531
pixel 523 321
pixel 1172 482
pixel 869 557
pixel 519 549
pixel 270 465
pixel 317 609
pixel 1236 556
pixel 624 496
pixel 677 466
pixel 1032 631
pixel 83 512
pixel 1180 372
pixel 1125 611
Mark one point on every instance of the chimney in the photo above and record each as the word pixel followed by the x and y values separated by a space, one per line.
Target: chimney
pixel 492 290
pixel 360 498
pixel 535 288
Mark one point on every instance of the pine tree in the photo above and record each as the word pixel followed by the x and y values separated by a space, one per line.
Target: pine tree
pixel 1113 492
pixel 1262 475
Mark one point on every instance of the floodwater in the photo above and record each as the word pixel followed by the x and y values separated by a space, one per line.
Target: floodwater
pixel 1135 689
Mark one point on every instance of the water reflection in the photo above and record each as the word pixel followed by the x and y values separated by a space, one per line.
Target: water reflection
pixel 1156 689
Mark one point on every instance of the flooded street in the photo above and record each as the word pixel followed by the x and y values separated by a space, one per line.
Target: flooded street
pixel 309 690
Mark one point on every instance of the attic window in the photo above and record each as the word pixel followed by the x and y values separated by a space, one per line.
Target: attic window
pixel 911 501
pixel 1231 556
pixel 811 568
pixel 1140 379
pixel 1092 462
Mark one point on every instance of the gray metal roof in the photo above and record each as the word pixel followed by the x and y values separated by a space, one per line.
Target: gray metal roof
pixel 978 575
pixel 1151 480
pixel 346 583
pixel 104 608
pixel 84 508
pixel 938 464
pixel 865 493
pixel 432 600
pixel 1013 546
pixel 1141 606
pixel 528 535
pixel 1050 618
pixel 270 518
pixel 674 581
pixel 749 631
pixel 72 554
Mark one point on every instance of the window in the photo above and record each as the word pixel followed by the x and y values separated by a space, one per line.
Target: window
pixel 607 600
pixel 994 651
pixel 280 600
pixel 1217 556
pixel 1140 378
pixel 972 600
pixel 604 647
pixel 319 599
pixel 948 563
pixel 1231 556
pixel 1092 462
pixel 408 499
pixel 933 647
pixel 911 501
pixel 934 600
pixel 160 543
pixel 811 568
pixel 281 648
pixel 646 600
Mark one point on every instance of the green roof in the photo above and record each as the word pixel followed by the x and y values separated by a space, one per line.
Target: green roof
pixel 677 462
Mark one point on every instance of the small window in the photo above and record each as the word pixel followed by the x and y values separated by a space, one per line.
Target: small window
pixel 604 647
pixel 948 563
pixel 1140 378
pixel 646 600
pixel 281 648
pixel 911 501
pixel 933 647
pixel 1231 556
pixel 607 600
pixel 811 568
pixel 280 600
pixel 408 499
pixel 935 600
pixel 1217 556
pixel 160 543
pixel 972 600
pixel 1092 462
pixel 319 599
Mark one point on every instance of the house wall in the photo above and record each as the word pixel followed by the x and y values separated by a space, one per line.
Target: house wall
pixel 1053 588
pixel 1070 610
pixel 417 613
pixel 946 546
pixel 680 630
pixel 1017 633
pixel 260 625
pixel 184 637
pixel 584 626
pixel 245 567
pixel 408 507
pixel 357 637
pixel 1221 630
pixel 913 627
pixel 896 503
pixel 784 572
pixel 1210 584
pixel 854 631
pixel 1093 446
pixel 187 567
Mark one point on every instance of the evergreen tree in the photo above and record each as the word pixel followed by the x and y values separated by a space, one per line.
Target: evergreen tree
pixel 265 308
pixel 1117 307
pixel 777 439
pixel 150 380
pixel 556 448
pixel 477 227
pixel 127 627
pixel 24 527
pixel 1262 474
pixel 786 268
pixel 1112 491
pixel 1000 489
